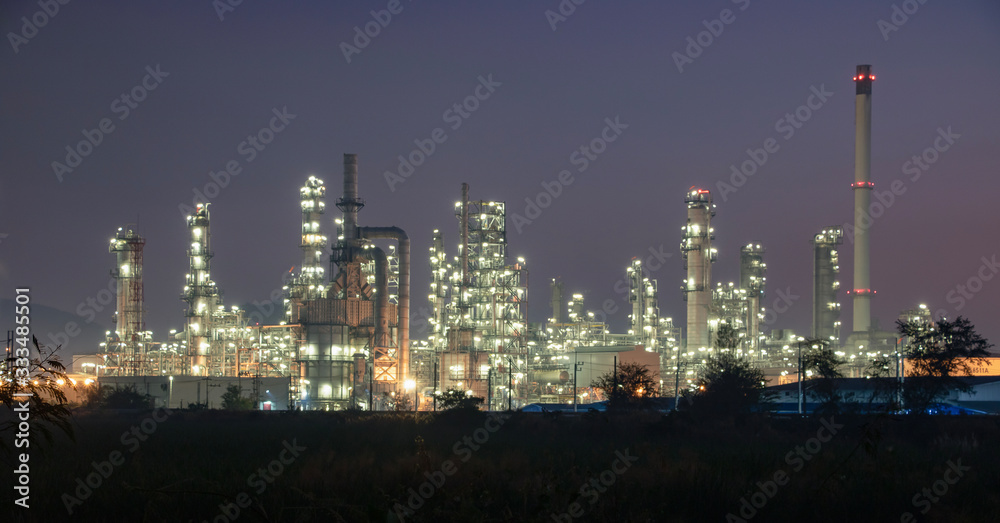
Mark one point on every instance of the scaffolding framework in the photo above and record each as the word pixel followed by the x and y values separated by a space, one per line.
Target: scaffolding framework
pixel 126 345
pixel 730 306
pixel 479 313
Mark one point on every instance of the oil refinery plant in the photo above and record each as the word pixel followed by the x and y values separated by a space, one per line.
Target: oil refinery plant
pixel 344 339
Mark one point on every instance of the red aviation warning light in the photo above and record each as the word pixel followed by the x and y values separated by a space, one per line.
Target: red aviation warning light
pixel 863 79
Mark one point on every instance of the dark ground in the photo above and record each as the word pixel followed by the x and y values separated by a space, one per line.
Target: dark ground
pixel 357 467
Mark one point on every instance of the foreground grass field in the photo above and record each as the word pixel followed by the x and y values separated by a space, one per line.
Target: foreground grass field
pixel 202 466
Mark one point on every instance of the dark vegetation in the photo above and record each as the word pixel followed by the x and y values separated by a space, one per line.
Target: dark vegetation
pixel 357 466
pixel 630 386
pixel 729 385
pixel 47 404
pixel 939 355
pixel 458 399
pixel 822 360
pixel 233 399
pixel 125 397
pixel 700 464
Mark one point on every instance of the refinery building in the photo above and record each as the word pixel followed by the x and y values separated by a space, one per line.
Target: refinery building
pixel 344 338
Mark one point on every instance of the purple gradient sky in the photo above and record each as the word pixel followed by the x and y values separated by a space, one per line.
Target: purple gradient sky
pixel 939 70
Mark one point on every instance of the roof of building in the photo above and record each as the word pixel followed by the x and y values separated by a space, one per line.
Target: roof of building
pixel 564 407
pixel 869 384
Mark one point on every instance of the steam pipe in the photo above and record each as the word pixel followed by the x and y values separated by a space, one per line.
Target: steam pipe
pixel 465 240
pixel 350 203
pixel 403 310
pixel 382 297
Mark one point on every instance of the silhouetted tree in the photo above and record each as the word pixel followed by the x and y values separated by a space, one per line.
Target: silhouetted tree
pixel 459 399
pixel 727 337
pixel 94 395
pixel 938 354
pixel 631 387
pixel 126 397
pixel 40 378
pixel 729 385
pixel 120 397
pixel 403 402
pixel 233 399
pixel 824 362
pixel 886 386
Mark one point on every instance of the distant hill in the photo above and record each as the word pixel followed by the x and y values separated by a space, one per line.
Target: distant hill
pixel 52 326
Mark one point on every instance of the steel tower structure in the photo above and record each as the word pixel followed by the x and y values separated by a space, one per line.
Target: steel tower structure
pixel 128 345
pixel 488 313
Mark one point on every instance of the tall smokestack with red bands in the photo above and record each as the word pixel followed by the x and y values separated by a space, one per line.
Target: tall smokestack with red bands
pixel 862 187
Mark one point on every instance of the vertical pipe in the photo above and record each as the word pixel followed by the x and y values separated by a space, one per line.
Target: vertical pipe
pixel 800 376
pixel 677 379
pixel 557 298
pixel 404 306
pixel 381 298
pixel 465 242
pixel 862 197
pixel 576 370
pixel 403 309
pixel 614 374
pixel 510 383
pixel 350 199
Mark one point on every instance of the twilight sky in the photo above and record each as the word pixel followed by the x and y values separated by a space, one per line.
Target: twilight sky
pixel 543 93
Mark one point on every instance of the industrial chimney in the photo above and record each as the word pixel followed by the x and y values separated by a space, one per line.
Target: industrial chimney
pixel 862 187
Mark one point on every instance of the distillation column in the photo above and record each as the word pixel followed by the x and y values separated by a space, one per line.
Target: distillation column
pixel 698 257
pixel 826 267
pixel 440 274
pixel 752 279
pixel 200 291
pixel 645 317
pixel 130 327
pixel 556 301
pixel 312 275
